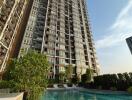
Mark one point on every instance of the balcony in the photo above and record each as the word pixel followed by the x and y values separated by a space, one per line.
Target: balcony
pixel 9 30
pixel 67 48
pixel 67 61
pixel 2 54
pixel 39 39
pixel 5 11
pixel 67 55
pixel 73 61
pixel 7 36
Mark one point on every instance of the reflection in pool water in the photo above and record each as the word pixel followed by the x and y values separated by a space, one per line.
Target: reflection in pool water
pixel 83 95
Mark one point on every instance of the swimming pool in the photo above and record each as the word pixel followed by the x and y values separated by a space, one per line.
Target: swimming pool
pixel 83 95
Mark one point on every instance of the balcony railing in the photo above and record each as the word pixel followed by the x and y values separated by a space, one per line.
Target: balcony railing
pixel 2 54
pixel 5 11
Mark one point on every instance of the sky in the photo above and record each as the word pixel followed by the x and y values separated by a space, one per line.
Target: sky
pixel 111 24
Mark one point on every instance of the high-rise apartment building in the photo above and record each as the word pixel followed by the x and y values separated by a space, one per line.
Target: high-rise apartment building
pixel 129 43
pixel 60 29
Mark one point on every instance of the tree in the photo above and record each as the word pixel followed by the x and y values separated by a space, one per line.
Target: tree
pixel 61 77
pixel 75 79
pixel 130 74
pixel 87 77
pixel 89 73
pixel 29 74
pixel 69 72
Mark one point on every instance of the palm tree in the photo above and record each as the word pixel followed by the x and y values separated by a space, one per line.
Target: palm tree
pixel 88 76
pixel 69 72
pixel 89 73
pixel 61 77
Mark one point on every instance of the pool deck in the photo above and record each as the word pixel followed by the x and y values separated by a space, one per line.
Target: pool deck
pixel 11 96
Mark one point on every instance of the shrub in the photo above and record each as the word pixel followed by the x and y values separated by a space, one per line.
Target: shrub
pixel 100 87
pixel 50 86
pixel 69 85
pixel 68 73
pixel 87 77
pixel 61 77
pixel 75 79
pixel 114 81
pixel 80 84
pixel 113 88
pixel 84 78
pixel 129 89
pixel 6 84
pixel 89 85
pixel 51 81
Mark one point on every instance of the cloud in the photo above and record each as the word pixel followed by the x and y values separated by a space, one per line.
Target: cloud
pixel 119 30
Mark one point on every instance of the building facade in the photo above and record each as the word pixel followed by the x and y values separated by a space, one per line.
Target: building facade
pixel 129 43
pixel 59 29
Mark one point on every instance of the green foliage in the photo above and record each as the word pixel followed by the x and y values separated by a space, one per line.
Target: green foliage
pixel 69 72
pixel 129 89
pixel 87 77
pixel 61 77
pixel 113 88
pixel 29 74
pixel 10 66
pixel 100 88
pixel 89 73
pixel 84 78
pixel 51 81
pixel 118 81
pixel 75 79
pixel 6 84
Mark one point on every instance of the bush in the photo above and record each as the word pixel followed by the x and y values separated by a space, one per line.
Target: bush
pixel 113 88
pixel 87 77
pixel 75 79
pixel 6 84
pixel 100 87
pixel 80 84
pixel 129 89
pixel 89 85
pixel 69 85
pixel 51 81
pixel 118 81
pixel 84 78
pixel 68 73
pixel 50 86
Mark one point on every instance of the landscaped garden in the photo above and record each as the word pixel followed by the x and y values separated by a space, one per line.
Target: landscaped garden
pixel 29 73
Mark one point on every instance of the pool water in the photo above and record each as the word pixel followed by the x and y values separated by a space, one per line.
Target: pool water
pixel 83 95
